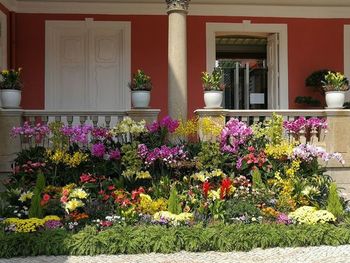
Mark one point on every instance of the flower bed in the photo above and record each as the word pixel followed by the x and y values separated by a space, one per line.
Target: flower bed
pixel 160 178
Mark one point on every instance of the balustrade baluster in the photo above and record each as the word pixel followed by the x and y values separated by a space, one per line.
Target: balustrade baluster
pixel 70 120
pixel 108 121
pixel 94 120
pixel 82 119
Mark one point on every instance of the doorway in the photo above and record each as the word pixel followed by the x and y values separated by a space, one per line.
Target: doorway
pixel 243 60
pixel 254 58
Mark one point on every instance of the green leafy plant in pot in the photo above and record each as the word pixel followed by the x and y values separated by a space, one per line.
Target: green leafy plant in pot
pixel 10 87
pixel 141 86
pixel 213 88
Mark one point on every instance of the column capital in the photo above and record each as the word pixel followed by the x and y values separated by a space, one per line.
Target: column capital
pixel 177 5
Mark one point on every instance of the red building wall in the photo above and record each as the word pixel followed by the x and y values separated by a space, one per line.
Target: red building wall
pixel 312 44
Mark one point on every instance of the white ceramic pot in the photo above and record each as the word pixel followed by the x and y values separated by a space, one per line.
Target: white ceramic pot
pixel 140 98
pixel 213 99
pixel 10 98
pixel 335 99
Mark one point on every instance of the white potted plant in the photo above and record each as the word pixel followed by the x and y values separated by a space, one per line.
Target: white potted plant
pixel 10 87
pixel 141 87
pixel 335 85
pixel 213 88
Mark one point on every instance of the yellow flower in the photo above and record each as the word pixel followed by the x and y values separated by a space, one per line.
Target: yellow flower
pixel 210 127
pixel 78 193
pixel 29 225
pixel 279 151
pixel 143 175
pixel 291 171
pixel 76 159
pixel 25 196
pixel 73 204
pixel 187 128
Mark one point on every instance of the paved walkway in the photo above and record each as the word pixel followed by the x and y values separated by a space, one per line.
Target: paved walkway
pixel 322 254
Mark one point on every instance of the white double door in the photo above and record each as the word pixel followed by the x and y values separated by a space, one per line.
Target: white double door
pixel 87 65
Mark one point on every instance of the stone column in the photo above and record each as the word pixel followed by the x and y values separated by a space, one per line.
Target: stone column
pixel 177 58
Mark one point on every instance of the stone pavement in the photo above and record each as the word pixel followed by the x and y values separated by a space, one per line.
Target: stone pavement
pixel 321 254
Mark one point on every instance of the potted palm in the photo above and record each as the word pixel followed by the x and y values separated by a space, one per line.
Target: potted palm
pixel 141 87
pixel 335 85
pixel 10 87
pixel 213 88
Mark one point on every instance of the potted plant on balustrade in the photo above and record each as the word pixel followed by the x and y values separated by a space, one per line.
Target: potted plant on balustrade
pixel 213 88
pixel 141 87
pixel 335 85
pixel 10 87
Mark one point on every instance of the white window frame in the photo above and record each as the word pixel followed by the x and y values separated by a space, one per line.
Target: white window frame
pixel 247 27
pixel 3 40
pixel 347 56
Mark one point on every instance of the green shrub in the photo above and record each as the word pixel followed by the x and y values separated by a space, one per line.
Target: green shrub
pixel 36 209
pixel 158 239
pixel 174 205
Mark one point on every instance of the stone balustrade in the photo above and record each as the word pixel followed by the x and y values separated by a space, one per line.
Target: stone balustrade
pixel 11 118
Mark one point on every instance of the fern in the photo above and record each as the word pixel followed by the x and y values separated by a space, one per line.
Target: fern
pixel 36 209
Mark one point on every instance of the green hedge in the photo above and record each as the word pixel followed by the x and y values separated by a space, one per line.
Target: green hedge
pixel 146 239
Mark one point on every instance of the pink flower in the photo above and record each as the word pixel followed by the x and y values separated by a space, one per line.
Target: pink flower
pixel 64 199
pixel 114 154
pixel 98 150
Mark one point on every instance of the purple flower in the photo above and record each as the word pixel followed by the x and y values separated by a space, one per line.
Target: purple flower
pixel 142 150
pixel 239 163
pixel 169 123
pixel 39 131
pixel 302 123
pixel 100 133
pixel 153 127
pixel 166 123
pixel 52 224
pixel 234 135
pixel 164 153
pixel 308 153
pixel 77 134
pixel 114 154
pixel 283 219
pixel 98 150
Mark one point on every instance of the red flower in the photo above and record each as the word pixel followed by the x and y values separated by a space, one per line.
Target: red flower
pixel 84 178
pixel 111 187
pixel 226 185
pixel 46 198
pixel 206 188
pixel 136 193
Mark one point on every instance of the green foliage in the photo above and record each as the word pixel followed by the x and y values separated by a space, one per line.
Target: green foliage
pixel 316 78
pixel 36 209
pixel 140 81
pixel 174 205
pixel 334 204
pixel 210 157
pixel 212 81
pixel 307 100
pixel 238 208
pixel 158 239
pixel 256 179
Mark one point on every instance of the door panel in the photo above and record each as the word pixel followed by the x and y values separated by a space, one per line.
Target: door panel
pixel 87 65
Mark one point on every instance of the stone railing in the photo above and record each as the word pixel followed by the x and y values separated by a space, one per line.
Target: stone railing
pixel 14 118
pixel 337 138
pixel 256 116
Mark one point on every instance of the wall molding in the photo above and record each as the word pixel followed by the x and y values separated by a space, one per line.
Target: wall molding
pixel 247 27
pixel 160 9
